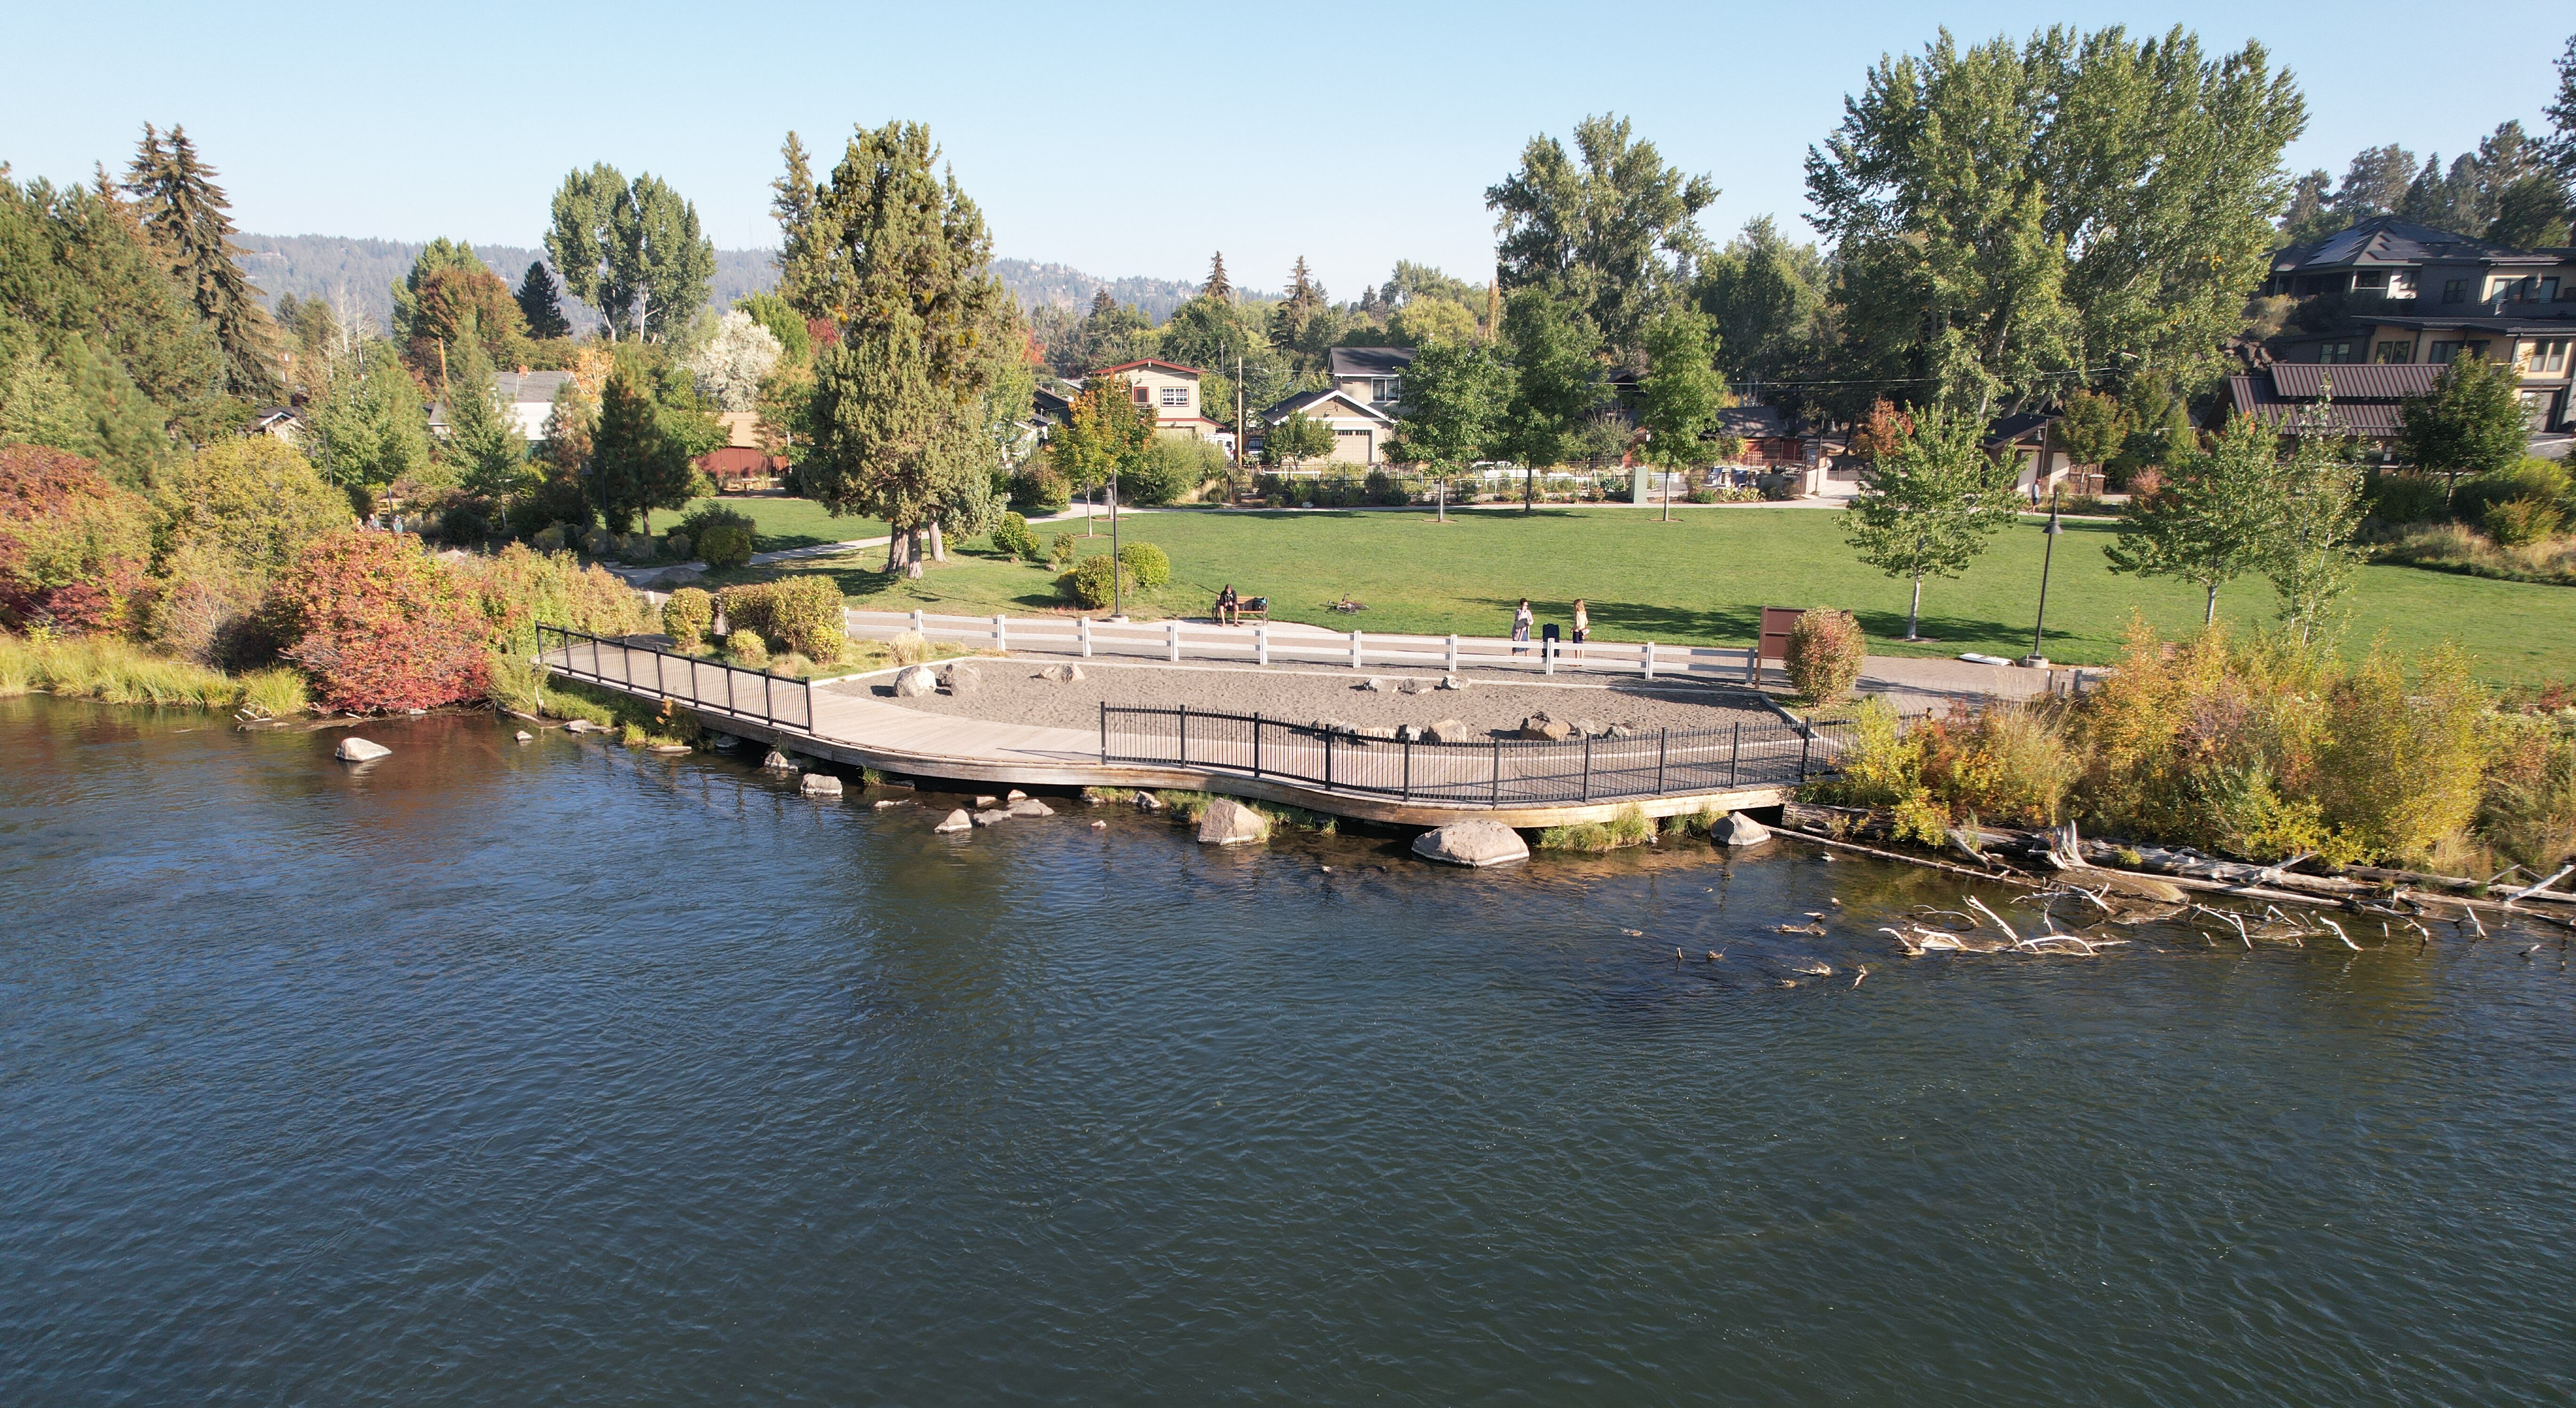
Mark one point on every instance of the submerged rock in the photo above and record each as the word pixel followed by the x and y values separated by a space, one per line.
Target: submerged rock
pixel 1475 842
pixel 1031 806
pixel 820 784
pixel 993 816
pixel 1147 801
pixel 1228 822
pixel 777 762
pixel 359 750
pixel 526 737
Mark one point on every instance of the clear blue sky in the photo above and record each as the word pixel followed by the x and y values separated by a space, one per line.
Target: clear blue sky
pixel 1121 140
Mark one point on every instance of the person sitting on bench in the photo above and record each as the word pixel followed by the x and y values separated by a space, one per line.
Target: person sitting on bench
pixel 1227 606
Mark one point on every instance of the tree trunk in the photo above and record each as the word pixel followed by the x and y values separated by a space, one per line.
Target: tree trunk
pixel 1914 613
pixel 898 547
pixel 1529 488
pixel 938 543
pixel 2210 617
pixel 912 551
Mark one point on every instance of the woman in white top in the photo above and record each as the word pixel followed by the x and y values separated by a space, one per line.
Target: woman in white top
pixel 1582 628
pixel 1521 619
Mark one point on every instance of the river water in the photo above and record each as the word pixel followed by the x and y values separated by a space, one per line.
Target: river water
pixel 556 1074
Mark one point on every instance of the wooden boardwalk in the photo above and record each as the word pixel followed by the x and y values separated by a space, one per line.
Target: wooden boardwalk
pixel 1416 787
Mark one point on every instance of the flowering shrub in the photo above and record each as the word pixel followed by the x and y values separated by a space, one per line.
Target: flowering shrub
pixel 73 546
pixel 379 624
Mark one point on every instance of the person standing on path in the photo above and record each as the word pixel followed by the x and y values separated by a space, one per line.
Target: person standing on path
pixel 1521 619
pixel 1582 630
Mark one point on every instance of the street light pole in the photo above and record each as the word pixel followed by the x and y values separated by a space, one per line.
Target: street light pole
pixel 2047 559
pixel 1117 571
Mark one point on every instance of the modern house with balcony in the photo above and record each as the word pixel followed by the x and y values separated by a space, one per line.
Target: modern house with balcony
pixel 2408 295
pixel 1370 376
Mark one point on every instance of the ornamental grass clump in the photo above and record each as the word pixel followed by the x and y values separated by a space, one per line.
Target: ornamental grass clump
pixel 1826 652
pixel 1629 826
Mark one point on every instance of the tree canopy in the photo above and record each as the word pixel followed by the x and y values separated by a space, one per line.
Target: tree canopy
pixel 631 249
pixel 190 222
pixel 1612 223
pixel 2469 423
pixel 1930 505
pixel 2014 222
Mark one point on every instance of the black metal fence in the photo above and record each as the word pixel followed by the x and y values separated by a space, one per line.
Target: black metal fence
pixel 643 668
pixel 1497 772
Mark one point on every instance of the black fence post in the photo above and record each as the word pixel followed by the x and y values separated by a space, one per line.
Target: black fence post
pixel 768 699
pixel 1498 773
pixel 1408 769
pixel 1663 749
pixel 1256 743
pixel 1806 740
pixel 1185 735
pixel 1104 730
pixel 1735 756
pixel 1587 767
pixel 1328 760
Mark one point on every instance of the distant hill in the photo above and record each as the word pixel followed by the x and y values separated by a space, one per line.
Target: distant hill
pixel 323 266
pixel 365 271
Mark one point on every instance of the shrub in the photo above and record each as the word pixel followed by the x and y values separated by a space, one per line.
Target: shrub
pixel 549 539
pixel 516 588
pixel 1384 488
pixel 2532 478
pixel 1825 655
pixel 1012 536
pixel 2008 763
pixel 2397 499
pixel 802 614
pixel 2401 759
pixel 748 649
pixel 257 500
pixel 676 547
pixel 688 616
pixel 516 685
pixel 723 547
pixel 2515 523
pixel 1090 582
pixel 378 624
pixel 1629 826
pixel 1060 553
pixel 73 546
pixel 1037 488
pixel 1172 468
pixel 1148 564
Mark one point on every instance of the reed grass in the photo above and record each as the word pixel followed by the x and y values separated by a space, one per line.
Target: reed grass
pixel 115 672
pixel 1629 826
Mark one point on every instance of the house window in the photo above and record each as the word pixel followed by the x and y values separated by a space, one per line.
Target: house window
pixel 2544 357
pixel 2401 283
pixel 2396 350
pixel 2334 352
pixel 2443 352
pixel 1384 389
pixel 2371 281
pixel 1350 432
pixel 1144 395
pixel 1176 396
pixel 2455 290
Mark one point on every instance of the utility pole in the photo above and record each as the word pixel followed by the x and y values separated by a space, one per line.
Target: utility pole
pixel 2047 559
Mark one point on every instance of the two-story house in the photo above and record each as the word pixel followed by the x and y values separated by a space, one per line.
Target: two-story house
pixel 1370 376
pixel 1172 392
pixel 2412 295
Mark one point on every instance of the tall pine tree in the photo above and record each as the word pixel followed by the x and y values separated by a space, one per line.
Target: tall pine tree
pixel 188 218
pixel 540 303
pixel 635 465
pixel 897 415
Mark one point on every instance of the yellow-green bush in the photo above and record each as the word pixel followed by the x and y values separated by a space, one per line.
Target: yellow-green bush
pixel 1629 826
pixel 1825 655
pixel 803 614
pixel 688 616
pixel 748 649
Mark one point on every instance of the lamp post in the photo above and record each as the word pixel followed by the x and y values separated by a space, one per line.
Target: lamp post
pixel 1117 574
pixel 2047 559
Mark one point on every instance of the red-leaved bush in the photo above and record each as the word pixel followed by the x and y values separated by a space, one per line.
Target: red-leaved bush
pixel 74 548
pixel 379 624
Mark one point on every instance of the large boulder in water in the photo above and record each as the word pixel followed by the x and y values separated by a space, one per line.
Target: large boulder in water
pixel 1473 843
pixel 359 750
pixel 1228 822
pixel 1742 830
pixel 955 821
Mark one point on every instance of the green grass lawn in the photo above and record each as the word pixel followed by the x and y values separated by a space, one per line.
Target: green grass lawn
pixel 1704 578
pixel 792 523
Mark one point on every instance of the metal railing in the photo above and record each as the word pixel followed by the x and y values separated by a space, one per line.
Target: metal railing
pixel 1498 772
pixel 640 667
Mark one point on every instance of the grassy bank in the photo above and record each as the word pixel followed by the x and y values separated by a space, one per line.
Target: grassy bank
pixel 787 523
pixel 1704 578
pixel 113 672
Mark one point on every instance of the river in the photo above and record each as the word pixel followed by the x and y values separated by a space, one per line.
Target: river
pixel 555 1074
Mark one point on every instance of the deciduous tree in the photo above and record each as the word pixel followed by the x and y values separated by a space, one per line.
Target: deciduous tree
pixel 632 250
pixel 2213 520
pixel 1681 393
pixel 1296 439
pixel 1931 506
pixel 1556 380
pixel 2317 508
pixel 1455 394
pixel 1611 225
pixel 2469 423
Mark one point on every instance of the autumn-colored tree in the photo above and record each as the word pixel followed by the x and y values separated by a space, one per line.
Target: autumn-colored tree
pixel 1882 432
pixel 73 546
pixel 381 625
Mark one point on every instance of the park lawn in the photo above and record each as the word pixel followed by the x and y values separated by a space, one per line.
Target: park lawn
pixel 794 523
pixel 1704 578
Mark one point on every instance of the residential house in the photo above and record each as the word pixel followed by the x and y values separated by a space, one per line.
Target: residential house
pixel 529 395
pixel 1360 429
pixel 283 423
pixel 1172 391
pixel 2411 295
pixel 743 461
pixel 2360 399
pixel 1371 376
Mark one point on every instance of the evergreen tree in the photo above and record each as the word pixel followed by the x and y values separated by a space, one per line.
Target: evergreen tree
pixel 540 304
pixel 1217 285
pixel 808 243
pixel 1292 322
pixel 635 465
pixel 1931 506
pixel 483 438
pixel 2213 521
pixel 897 417
pixel 369 427
pixel 2374 184
pixel 2560 148
pixel 189 219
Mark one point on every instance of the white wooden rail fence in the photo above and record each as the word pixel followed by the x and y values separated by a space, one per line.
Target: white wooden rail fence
pixel 1259 643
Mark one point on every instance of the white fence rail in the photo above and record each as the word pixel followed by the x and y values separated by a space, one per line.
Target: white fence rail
pixel 1263 644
